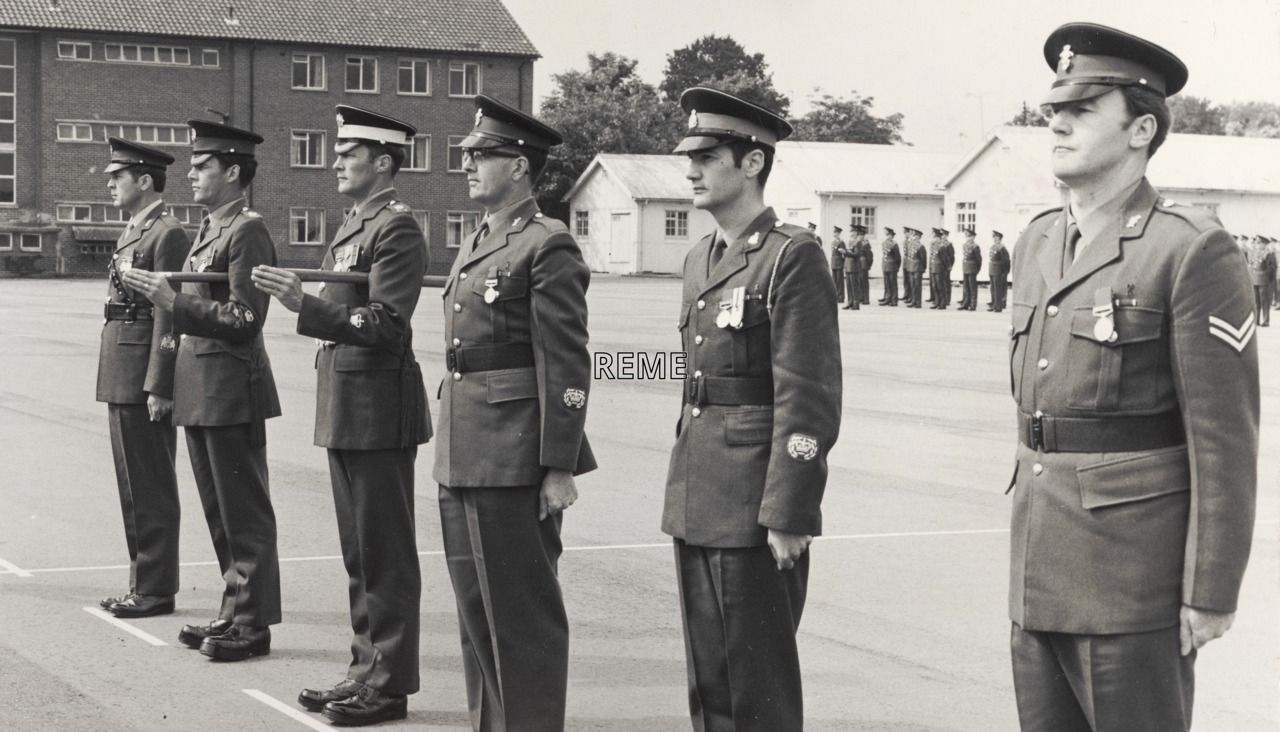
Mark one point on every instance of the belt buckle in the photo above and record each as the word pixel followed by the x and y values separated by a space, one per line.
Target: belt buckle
pixel 131 313
pixel 695 390
pixel 1037 430
pixel 451 359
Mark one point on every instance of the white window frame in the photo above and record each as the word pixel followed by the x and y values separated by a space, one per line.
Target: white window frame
pixel 124 51
pixel 307 215
pixel 150 134
pixel 205 53
pixel 582 223
pixel 462 67
pixel 346 68
pixel 424 159
pixel 310 59
pixel 307 138
pixel 71 132
pixel 966 215
pixel 455 143
pixel 424 221
pixel 456 229
pixel 113 215
pixel 74 49
pixel 11 148
pixel 183 212
pixel 411 64
pixel 62 209
pixel 27 237
pixel 677 219
pixel 863 216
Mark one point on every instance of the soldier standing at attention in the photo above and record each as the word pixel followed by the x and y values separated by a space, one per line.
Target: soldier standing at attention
pixel 935 270
pixel 866 256
pixel 838 253
pixel 947 252
pixel 510 435
pixel 224 391
pixel 1262 267
pixel 135 379
pixel 761 411
pixel 909 265
pixel 890 261
pixel 1135 373
pixel 852 280
pixel 998 271
pixel 921 256
pixel 371 413
pixel 970 265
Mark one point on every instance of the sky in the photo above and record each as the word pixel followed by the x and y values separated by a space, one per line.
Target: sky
pixel 954 69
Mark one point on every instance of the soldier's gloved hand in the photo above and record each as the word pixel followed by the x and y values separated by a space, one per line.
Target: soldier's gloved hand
pixel 153 286
pixel 787 548
pixel 558 493
pixel 281 284
pixel 1201 626
pixel 158 407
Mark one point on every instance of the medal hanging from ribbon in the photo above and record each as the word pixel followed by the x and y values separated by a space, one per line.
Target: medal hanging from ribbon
pixel 1104 308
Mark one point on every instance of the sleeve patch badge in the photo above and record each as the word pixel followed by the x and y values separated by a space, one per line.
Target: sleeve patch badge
pixel 1235 337
pixel 248 315
pixel 166 343
pixel 802 447
pixel 357 321
pixel 575 398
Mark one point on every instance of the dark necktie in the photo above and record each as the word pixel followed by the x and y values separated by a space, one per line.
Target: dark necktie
pixel 1073 238
pixel 717 251
pixel 204 228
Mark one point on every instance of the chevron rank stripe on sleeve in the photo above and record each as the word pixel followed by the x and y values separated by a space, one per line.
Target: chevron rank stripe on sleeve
pixel 1235 337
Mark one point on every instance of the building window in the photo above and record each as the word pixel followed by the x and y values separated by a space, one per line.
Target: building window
pixel 461 224
pixel 966 215
pixel 210 57
pixel 306 149
pixel 455 153
pixel 187 214
pixel 150 134
pixel 75 51
pixel 75 212
pixel 863 216
pixel 74 132
pixel 111 214
pixel 414 76
pixel 308 71
pixel 131 53
pixel 419 157
pixel 306 226
pixel 677 225
pixel 6 242
pixel 424 221
pixel 362 74
pixel 464 79
pixel 31 243
pixel 8 83
pixel 581 223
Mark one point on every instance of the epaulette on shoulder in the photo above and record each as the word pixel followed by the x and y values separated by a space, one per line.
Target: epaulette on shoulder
pixel 250 213
pixel 552 225
pixel 1200 219
pixel 1046 212
pixel 398 207
pixel 169 219
pixel 791 231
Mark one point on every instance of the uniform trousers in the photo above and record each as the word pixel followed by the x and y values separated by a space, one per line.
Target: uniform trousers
pixel 231 475
pixel 864 286
pixel 373 497
pixel 891 288
pixel 144 453
pixel 1262 299
pixel 837 276
pixel 999 291
pixel 946 289
pixel 970 301
pixel 907 279
pixel 917 288
pixel 740 615
pixel 515 634
pixel 1131 682
pixel 853 294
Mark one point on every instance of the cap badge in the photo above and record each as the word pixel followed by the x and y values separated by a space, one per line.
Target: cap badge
pixel 340 122
pixel 693 118
pixel 479 116
pixel 1064 59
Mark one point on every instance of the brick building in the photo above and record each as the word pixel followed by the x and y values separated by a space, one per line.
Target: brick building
pixel 73 72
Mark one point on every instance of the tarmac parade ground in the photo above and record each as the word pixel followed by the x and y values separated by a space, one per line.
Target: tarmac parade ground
pixel 905 629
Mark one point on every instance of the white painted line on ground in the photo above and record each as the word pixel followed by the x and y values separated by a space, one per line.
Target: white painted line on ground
pixel 12 568
pixel 311 721
pixel 124 626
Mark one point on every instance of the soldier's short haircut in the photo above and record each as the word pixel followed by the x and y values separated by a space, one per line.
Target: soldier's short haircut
pixel 537 162
pixel 1139 101
pixel 158 175
pixel 739 150
pixel 398 153
pixel 248 166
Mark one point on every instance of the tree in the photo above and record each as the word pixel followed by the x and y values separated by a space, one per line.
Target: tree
pixel 607 108
pixel 1029 117
pixel 1252 119
pixel 847 120
pixel 722 63
pixel 1196 115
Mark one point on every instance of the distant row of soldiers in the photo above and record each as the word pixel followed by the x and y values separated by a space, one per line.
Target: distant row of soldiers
pixel 851 263
pixel 1262 252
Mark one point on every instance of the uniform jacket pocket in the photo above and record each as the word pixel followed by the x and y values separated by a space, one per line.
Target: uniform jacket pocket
pixel 1134 477
pixel 1120 371
pixel 748 426
pixel 508 287
pixel 507 386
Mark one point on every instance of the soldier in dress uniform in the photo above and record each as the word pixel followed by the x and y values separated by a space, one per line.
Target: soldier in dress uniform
pixel 852 278
pixel 1262 269
pixel 761 410
pixel 371 412
pixel 909 244
pixel 838 252
pixel 135 379
pixel 936 265
pixel 947 251
pixel 921 256
pixel 970 266
pixel 1135 373
pixel 866 257
pixel 998 271
pixel 510 435
pixel 890 262
pixel 1275 283
pixel 224 391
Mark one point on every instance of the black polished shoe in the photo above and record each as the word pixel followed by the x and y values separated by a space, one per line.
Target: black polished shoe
pixel 369 706
pixel 237 644
pixel 106 602
pixel 313 700
pixel 192 636
pixel 142 606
